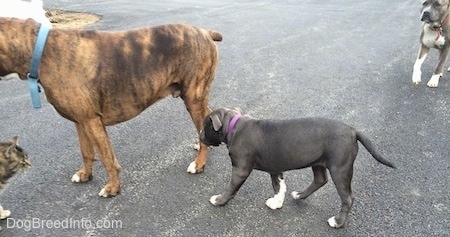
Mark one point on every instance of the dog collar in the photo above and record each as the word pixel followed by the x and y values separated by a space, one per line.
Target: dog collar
pixel 33 78
pixel 439 31
pixel 231 125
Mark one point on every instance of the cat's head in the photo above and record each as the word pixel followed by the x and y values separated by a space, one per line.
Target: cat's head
pixel 16 157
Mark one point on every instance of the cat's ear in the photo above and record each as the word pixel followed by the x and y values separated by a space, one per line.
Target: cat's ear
pixel 12 148
pixel 15 140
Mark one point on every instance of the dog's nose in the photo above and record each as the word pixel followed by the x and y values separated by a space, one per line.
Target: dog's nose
pixel 425 16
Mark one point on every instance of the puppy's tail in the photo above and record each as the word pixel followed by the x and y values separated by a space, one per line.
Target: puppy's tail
pixel 216 36
pixel 372 150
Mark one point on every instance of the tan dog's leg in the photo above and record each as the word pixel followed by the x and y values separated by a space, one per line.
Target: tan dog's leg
pixel 434 81
pixel 95 131
pixel 417 72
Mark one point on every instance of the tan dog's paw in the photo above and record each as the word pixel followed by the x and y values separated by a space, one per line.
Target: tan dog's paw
pixel 417 77
pixel 434 81
pixel 81 177
pixel 109 191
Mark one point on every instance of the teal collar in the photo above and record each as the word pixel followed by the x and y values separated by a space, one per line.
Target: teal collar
pixel 33 78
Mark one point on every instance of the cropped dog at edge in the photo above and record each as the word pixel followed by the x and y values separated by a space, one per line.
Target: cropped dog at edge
pixel 435 15
pixel 276 146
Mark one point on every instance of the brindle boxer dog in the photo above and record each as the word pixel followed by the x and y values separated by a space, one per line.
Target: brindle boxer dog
pixel 96 78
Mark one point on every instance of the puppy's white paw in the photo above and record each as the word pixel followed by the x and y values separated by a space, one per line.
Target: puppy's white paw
pixel 274 203
pixel 213 199
pixel 103 193
pixel 197 146
pixel 416 77
pixel 4 214
pixel 332 222
pixel 191 168
pixel 295 195
pixel 434 81
pixel 76 178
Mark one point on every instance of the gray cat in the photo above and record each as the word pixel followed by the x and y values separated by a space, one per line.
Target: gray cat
pixel 13 159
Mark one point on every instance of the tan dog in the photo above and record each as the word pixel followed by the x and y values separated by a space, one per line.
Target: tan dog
pixel 96 79
pixel 435 15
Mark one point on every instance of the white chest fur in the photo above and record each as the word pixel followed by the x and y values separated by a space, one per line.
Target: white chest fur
pixel 432 38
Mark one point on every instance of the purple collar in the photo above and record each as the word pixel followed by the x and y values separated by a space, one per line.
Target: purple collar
pixel 231 125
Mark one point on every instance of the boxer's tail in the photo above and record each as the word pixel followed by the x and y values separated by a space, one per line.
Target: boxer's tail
pixel 372 150
pixel 216 36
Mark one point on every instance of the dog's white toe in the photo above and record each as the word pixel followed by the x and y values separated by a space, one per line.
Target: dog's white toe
pixel 332 222
pixel 4 214
pixel 197 146
pixel 213 199
pixel 434 81
pixel 274 203
pixel 191 169
pixel 75 178
pixel 103 193
pixel 295 195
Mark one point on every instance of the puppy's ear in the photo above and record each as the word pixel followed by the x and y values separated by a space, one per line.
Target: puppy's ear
pixel 217 124
pixel 238 109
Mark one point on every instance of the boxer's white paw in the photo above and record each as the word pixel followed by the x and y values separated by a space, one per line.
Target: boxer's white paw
pixel 416 77
pixel 332 222
pixel 213 199
pixel 76 178
pixel 103 193
pixel 191 169
pixel 274 203
pixel 295 195
pixel 197 146
pixel 4 214
pixel 434 81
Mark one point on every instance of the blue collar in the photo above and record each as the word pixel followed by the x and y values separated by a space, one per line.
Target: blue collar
pixel 33 78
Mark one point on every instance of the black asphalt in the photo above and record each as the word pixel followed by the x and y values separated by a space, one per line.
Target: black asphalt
pixel 344 59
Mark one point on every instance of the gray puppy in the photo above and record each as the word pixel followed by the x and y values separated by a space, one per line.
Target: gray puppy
pixel 435 15
pixel 276 146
